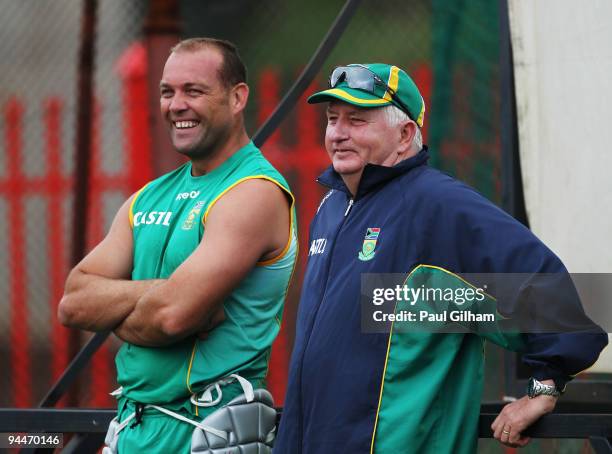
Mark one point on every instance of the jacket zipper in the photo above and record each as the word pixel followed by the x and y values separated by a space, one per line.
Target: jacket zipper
pixel 348 208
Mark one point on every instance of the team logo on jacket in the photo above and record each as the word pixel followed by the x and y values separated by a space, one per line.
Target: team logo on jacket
pixel 190 221
pixel 368 249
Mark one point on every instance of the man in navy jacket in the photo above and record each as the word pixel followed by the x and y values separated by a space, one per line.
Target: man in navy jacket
pixel 388 212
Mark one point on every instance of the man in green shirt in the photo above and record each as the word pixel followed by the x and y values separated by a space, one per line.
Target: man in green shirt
pixel 194 270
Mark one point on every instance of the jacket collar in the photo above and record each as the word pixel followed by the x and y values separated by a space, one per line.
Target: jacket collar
pixel 373 175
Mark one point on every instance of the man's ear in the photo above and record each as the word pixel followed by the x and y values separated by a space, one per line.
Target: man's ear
pixel 407 133
pixel 239 96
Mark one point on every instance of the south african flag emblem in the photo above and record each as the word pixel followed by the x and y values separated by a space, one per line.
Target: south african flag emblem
pixel 369 244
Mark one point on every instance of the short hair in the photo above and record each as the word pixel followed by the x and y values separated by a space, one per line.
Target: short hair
pixel 232 70
pixel 394 116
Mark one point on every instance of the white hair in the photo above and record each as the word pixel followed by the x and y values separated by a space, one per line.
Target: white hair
pixel 395 116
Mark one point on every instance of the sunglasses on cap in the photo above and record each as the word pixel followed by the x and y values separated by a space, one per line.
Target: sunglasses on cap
pixel 362 78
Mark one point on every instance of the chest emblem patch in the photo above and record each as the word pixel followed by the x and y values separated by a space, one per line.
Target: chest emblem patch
pixel 368 249
pixel 193 216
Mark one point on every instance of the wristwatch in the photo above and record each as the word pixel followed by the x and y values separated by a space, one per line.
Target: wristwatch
pixel 537 388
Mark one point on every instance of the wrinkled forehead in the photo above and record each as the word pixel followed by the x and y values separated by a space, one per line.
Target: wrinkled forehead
pixel 193 66
pixel 337 106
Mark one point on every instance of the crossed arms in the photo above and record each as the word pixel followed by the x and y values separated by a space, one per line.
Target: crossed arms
pixel 248 224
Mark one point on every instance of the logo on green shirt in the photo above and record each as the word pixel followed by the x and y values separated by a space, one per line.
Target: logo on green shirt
pixel 190 220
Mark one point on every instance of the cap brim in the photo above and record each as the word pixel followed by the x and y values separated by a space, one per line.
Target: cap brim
pixel 350 95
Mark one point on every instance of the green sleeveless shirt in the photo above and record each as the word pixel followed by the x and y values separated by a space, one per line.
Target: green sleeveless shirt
pixel 168 218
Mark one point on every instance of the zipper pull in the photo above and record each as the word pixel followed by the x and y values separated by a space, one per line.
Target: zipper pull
pixel 348 208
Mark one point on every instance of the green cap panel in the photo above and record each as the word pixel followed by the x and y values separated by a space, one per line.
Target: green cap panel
pixel 397 79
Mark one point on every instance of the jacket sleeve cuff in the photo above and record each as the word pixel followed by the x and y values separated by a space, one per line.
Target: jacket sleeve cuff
pixel 549 373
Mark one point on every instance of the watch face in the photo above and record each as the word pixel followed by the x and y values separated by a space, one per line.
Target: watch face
pixel 531 387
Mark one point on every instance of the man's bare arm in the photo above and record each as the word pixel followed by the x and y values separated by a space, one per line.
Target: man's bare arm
pixel 98 294
pixel 248 224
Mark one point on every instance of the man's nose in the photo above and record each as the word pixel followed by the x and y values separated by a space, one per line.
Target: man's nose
pixel 178 103
pixel 337 132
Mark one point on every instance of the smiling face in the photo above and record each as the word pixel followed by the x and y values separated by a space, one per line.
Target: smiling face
pixel 357 136
pixel 195 104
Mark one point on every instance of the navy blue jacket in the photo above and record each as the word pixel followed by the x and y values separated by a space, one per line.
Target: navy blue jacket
pixel 425 217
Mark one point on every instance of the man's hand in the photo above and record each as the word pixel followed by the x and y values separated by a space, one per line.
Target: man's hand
pixel 517 416
pixel 215 320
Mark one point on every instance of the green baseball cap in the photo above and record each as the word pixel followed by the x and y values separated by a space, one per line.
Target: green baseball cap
pixel 374 85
